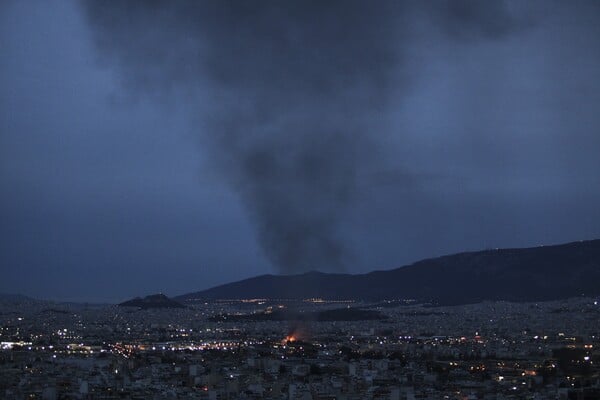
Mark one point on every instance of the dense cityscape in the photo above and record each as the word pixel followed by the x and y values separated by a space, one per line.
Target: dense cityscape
pixel 316 200
pixel 232 350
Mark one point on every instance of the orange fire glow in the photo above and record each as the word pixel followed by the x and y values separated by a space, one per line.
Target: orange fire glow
pixel 289 339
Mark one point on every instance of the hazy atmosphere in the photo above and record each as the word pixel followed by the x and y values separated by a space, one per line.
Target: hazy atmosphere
pixel 172 146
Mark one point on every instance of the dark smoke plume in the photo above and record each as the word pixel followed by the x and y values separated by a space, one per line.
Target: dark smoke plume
pixel 298 95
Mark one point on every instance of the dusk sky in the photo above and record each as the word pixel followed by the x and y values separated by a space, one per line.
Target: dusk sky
pixel 172 146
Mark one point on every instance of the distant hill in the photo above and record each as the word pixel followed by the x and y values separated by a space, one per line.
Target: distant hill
pixel 16 298
pixel 152 301
pixel 528 274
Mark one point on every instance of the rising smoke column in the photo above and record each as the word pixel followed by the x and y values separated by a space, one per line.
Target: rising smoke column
pixel 298 95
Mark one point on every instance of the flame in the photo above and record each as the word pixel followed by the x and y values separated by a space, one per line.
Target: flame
pixel 289 339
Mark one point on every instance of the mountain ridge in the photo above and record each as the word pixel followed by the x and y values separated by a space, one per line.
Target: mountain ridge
pixel 512 274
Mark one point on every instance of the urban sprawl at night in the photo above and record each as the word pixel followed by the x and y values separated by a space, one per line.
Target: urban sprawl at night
pixel 233 350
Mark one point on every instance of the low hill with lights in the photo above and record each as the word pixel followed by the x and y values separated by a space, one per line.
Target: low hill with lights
pixel 525 274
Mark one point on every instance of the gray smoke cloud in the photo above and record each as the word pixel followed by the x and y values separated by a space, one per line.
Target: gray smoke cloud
pixel 299 92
